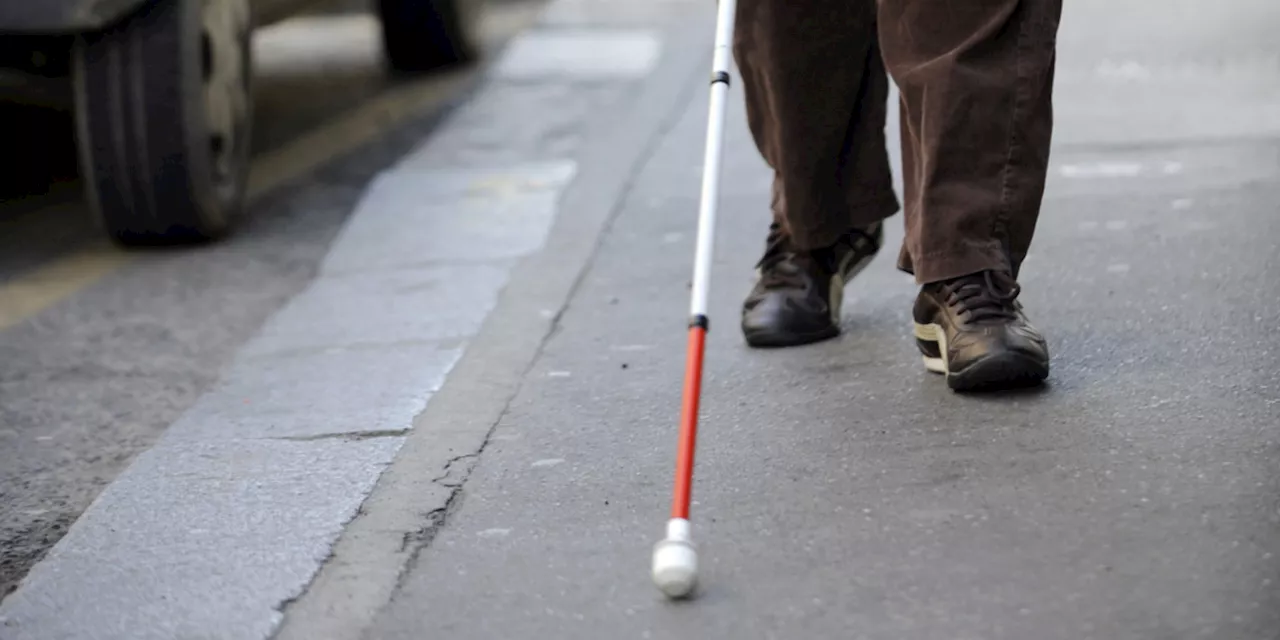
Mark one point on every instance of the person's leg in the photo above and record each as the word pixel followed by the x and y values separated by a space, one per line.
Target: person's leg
pixel 976 82
pixel 816 95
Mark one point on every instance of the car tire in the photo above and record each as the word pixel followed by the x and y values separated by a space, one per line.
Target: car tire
pixel 426 35
pixel 163 104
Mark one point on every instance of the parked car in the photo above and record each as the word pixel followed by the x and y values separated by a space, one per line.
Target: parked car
pixel 161 92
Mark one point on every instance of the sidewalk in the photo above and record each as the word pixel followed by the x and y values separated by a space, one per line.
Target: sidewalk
pixel 841 490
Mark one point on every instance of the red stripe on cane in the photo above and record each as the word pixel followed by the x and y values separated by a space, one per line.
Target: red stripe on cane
pixel 688 423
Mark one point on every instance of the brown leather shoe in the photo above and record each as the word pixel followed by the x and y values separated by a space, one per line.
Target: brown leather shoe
pixel 973 331
pixel 796 299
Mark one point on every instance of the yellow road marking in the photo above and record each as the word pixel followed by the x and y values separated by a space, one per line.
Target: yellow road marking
pixel 36 290
pixel 40 288
pixel 335 139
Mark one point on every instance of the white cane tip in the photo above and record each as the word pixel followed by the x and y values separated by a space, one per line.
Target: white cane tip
pixel 675 567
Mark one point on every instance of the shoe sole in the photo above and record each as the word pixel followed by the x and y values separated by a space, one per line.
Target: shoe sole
pixel 776 339
pixel 999 371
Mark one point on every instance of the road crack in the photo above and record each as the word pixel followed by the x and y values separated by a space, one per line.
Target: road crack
pixel 434 520
pixel 348 435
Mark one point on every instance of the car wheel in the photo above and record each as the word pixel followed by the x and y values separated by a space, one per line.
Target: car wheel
pixel 163 111
pixel 424 35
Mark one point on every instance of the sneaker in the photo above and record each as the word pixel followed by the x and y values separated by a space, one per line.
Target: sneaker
pixel 797 296
pixel 973 331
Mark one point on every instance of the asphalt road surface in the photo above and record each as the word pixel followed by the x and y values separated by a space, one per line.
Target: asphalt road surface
pixel 842 491
pixel 100 350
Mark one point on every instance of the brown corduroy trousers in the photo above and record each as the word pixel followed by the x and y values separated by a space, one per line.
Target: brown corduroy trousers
pixel 976 81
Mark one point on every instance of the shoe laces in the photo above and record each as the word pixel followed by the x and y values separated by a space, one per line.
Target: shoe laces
pixel 985 299
pixel 778 268
pixel 782 266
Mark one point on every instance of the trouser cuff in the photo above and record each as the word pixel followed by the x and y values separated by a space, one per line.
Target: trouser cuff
pixel 831 228
pixel 954 262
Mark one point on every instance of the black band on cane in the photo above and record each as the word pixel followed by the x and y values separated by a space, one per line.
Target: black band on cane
pixel 720 76
pixel 701 322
